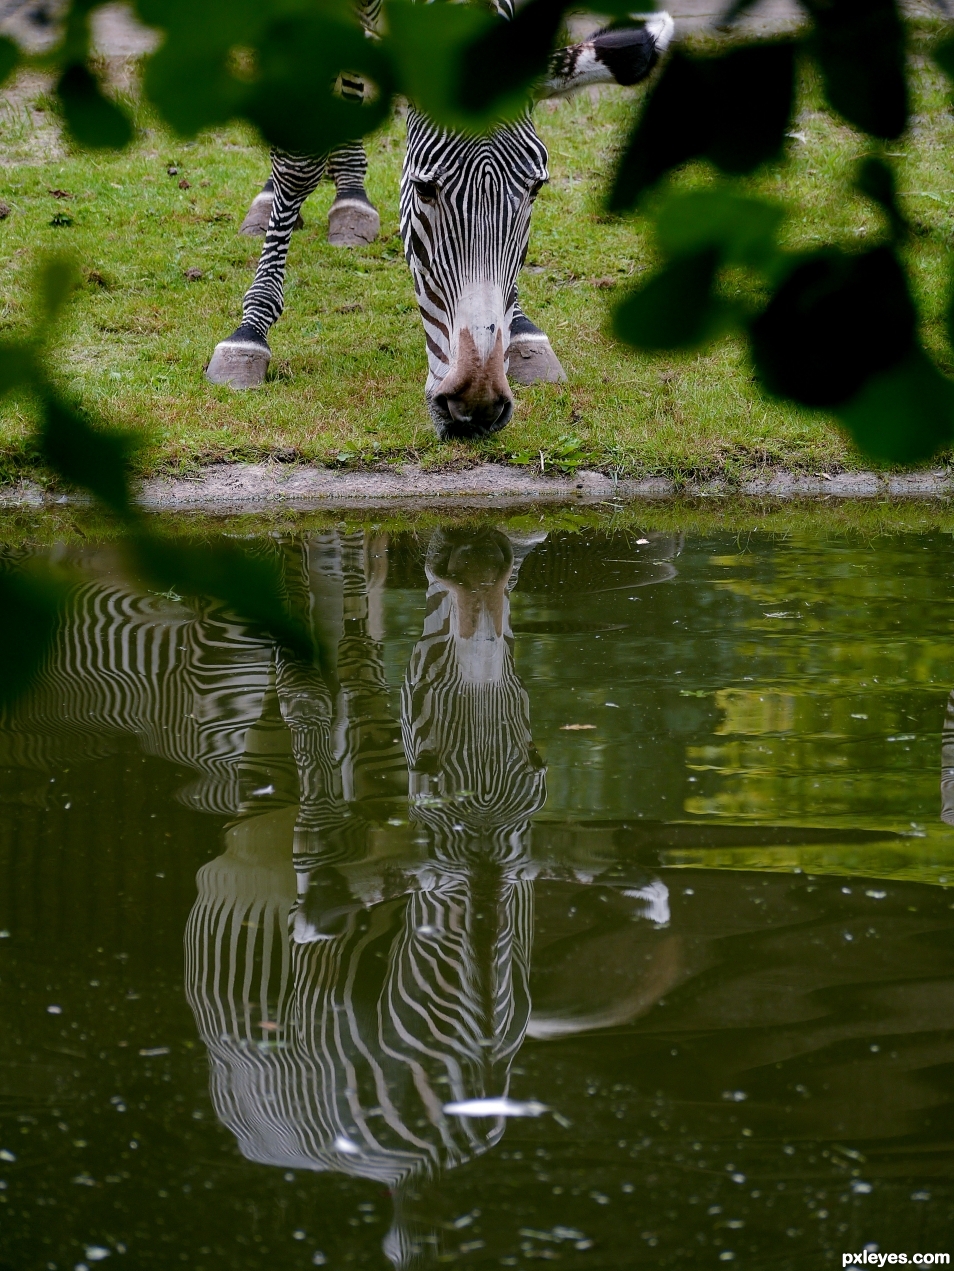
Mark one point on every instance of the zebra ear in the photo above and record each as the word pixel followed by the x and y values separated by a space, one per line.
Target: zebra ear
pixel 620 55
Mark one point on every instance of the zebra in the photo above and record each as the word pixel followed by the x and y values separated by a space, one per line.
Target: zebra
pixel 465 212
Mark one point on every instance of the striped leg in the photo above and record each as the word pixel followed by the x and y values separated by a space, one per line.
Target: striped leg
pixel 531 359
pixel 243 358
pixel 352 219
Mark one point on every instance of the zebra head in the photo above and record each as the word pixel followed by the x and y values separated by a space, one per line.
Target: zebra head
pixel 465 222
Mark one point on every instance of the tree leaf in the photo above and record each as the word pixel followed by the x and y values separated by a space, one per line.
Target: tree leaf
pixel 250 585
pixel 835 321
pixel 497 69
pixel 293 101
pixel 30 604
pixel 91 119
pixel 743 229
pixel 733 110
pixel 56 280
pixel 859 48
pixel 9 58
pixel 676 308
pixel 875 180
pixel 428 44
pixel 904 414
pixel 92 458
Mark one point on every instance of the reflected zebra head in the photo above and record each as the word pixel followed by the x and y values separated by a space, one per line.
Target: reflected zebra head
pixel 465 222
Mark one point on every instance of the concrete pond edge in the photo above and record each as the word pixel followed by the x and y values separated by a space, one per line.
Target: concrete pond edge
pixel 245 487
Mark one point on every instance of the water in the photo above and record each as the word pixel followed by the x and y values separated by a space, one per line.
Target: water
pixel 647 831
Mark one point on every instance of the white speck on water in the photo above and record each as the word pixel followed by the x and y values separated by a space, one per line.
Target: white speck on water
pixel 318 1259
pixel 920 1195
pixel 148 1051
pixel 342 1144
pixel 298 1234
pixel 54 1010
pixel 262 791
pixel 904 737
pixel 615 705
pixel 737 1178
pixel 726 1256
pixel 641 542
pixel 860 1188
pixel 4 935
pixel 6 1155
pixel 495 1108
pixel 96 1253
pixel 876 895
pixel 859 716
pixel 734 1096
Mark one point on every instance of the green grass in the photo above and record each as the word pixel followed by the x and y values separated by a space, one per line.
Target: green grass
pixel 348 365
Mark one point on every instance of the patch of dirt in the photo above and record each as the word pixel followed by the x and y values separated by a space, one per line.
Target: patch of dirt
pixel 251 487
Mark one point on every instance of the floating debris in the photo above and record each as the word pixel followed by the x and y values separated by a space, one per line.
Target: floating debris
pixel 576 728
pixel 148 1052
pixel 495 1108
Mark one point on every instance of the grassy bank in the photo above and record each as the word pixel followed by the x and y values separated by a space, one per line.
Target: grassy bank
pixel 349 366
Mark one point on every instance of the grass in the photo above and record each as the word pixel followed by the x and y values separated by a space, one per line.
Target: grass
pixel 348 366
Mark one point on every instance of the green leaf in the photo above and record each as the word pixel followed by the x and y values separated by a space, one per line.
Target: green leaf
pixel 904 414
pixel 57 279
pixel 676 308
pixel 859 48
pixel 835 321
pixel 17 366
pixel 497 69
pixel 91 458
pixel 744 230
pixel 875 180
pixel 91 119
pixel 249 585
pixel 9 58
pixel 733 110
pixel 427 43
pixel 193 87
pixel 293 100
pixel 30 605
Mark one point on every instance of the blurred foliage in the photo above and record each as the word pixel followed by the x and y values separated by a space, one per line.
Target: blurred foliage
pixel 837 329
pixel 95 460
pixel 834 328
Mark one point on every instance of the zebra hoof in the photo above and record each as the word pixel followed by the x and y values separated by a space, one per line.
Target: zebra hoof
pixel 259 214
pixel 532 361
pixel 352 222
pixel 239 363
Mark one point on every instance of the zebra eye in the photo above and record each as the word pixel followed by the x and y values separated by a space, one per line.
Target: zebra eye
pixel 426 191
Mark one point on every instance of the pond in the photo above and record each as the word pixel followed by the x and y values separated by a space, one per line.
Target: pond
pixel 589 900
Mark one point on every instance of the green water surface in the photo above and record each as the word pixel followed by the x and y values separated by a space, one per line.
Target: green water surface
pixel 647 834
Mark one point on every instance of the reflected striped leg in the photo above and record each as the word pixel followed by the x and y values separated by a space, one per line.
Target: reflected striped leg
pixel 242 359
pixel 531 359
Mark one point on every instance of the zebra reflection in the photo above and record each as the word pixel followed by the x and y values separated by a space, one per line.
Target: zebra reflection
pixel 346 996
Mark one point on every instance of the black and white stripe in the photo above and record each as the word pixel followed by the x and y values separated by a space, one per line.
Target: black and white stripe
pixel 465 222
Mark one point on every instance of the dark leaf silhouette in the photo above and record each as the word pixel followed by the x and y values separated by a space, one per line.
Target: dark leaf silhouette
pixel 904 414
pixel 91 119
pixel 676 309
pixel 732 110
pixel 859 48
pixel 834 322
pixel 30 605
pixel 249 585
pixel 94 459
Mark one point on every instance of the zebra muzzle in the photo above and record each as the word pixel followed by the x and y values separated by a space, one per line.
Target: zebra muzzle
pixel 474 398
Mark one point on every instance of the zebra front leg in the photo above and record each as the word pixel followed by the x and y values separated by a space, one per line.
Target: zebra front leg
pixel 531 359
pixel 243 358
pixel 353 219
pixel 257 216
